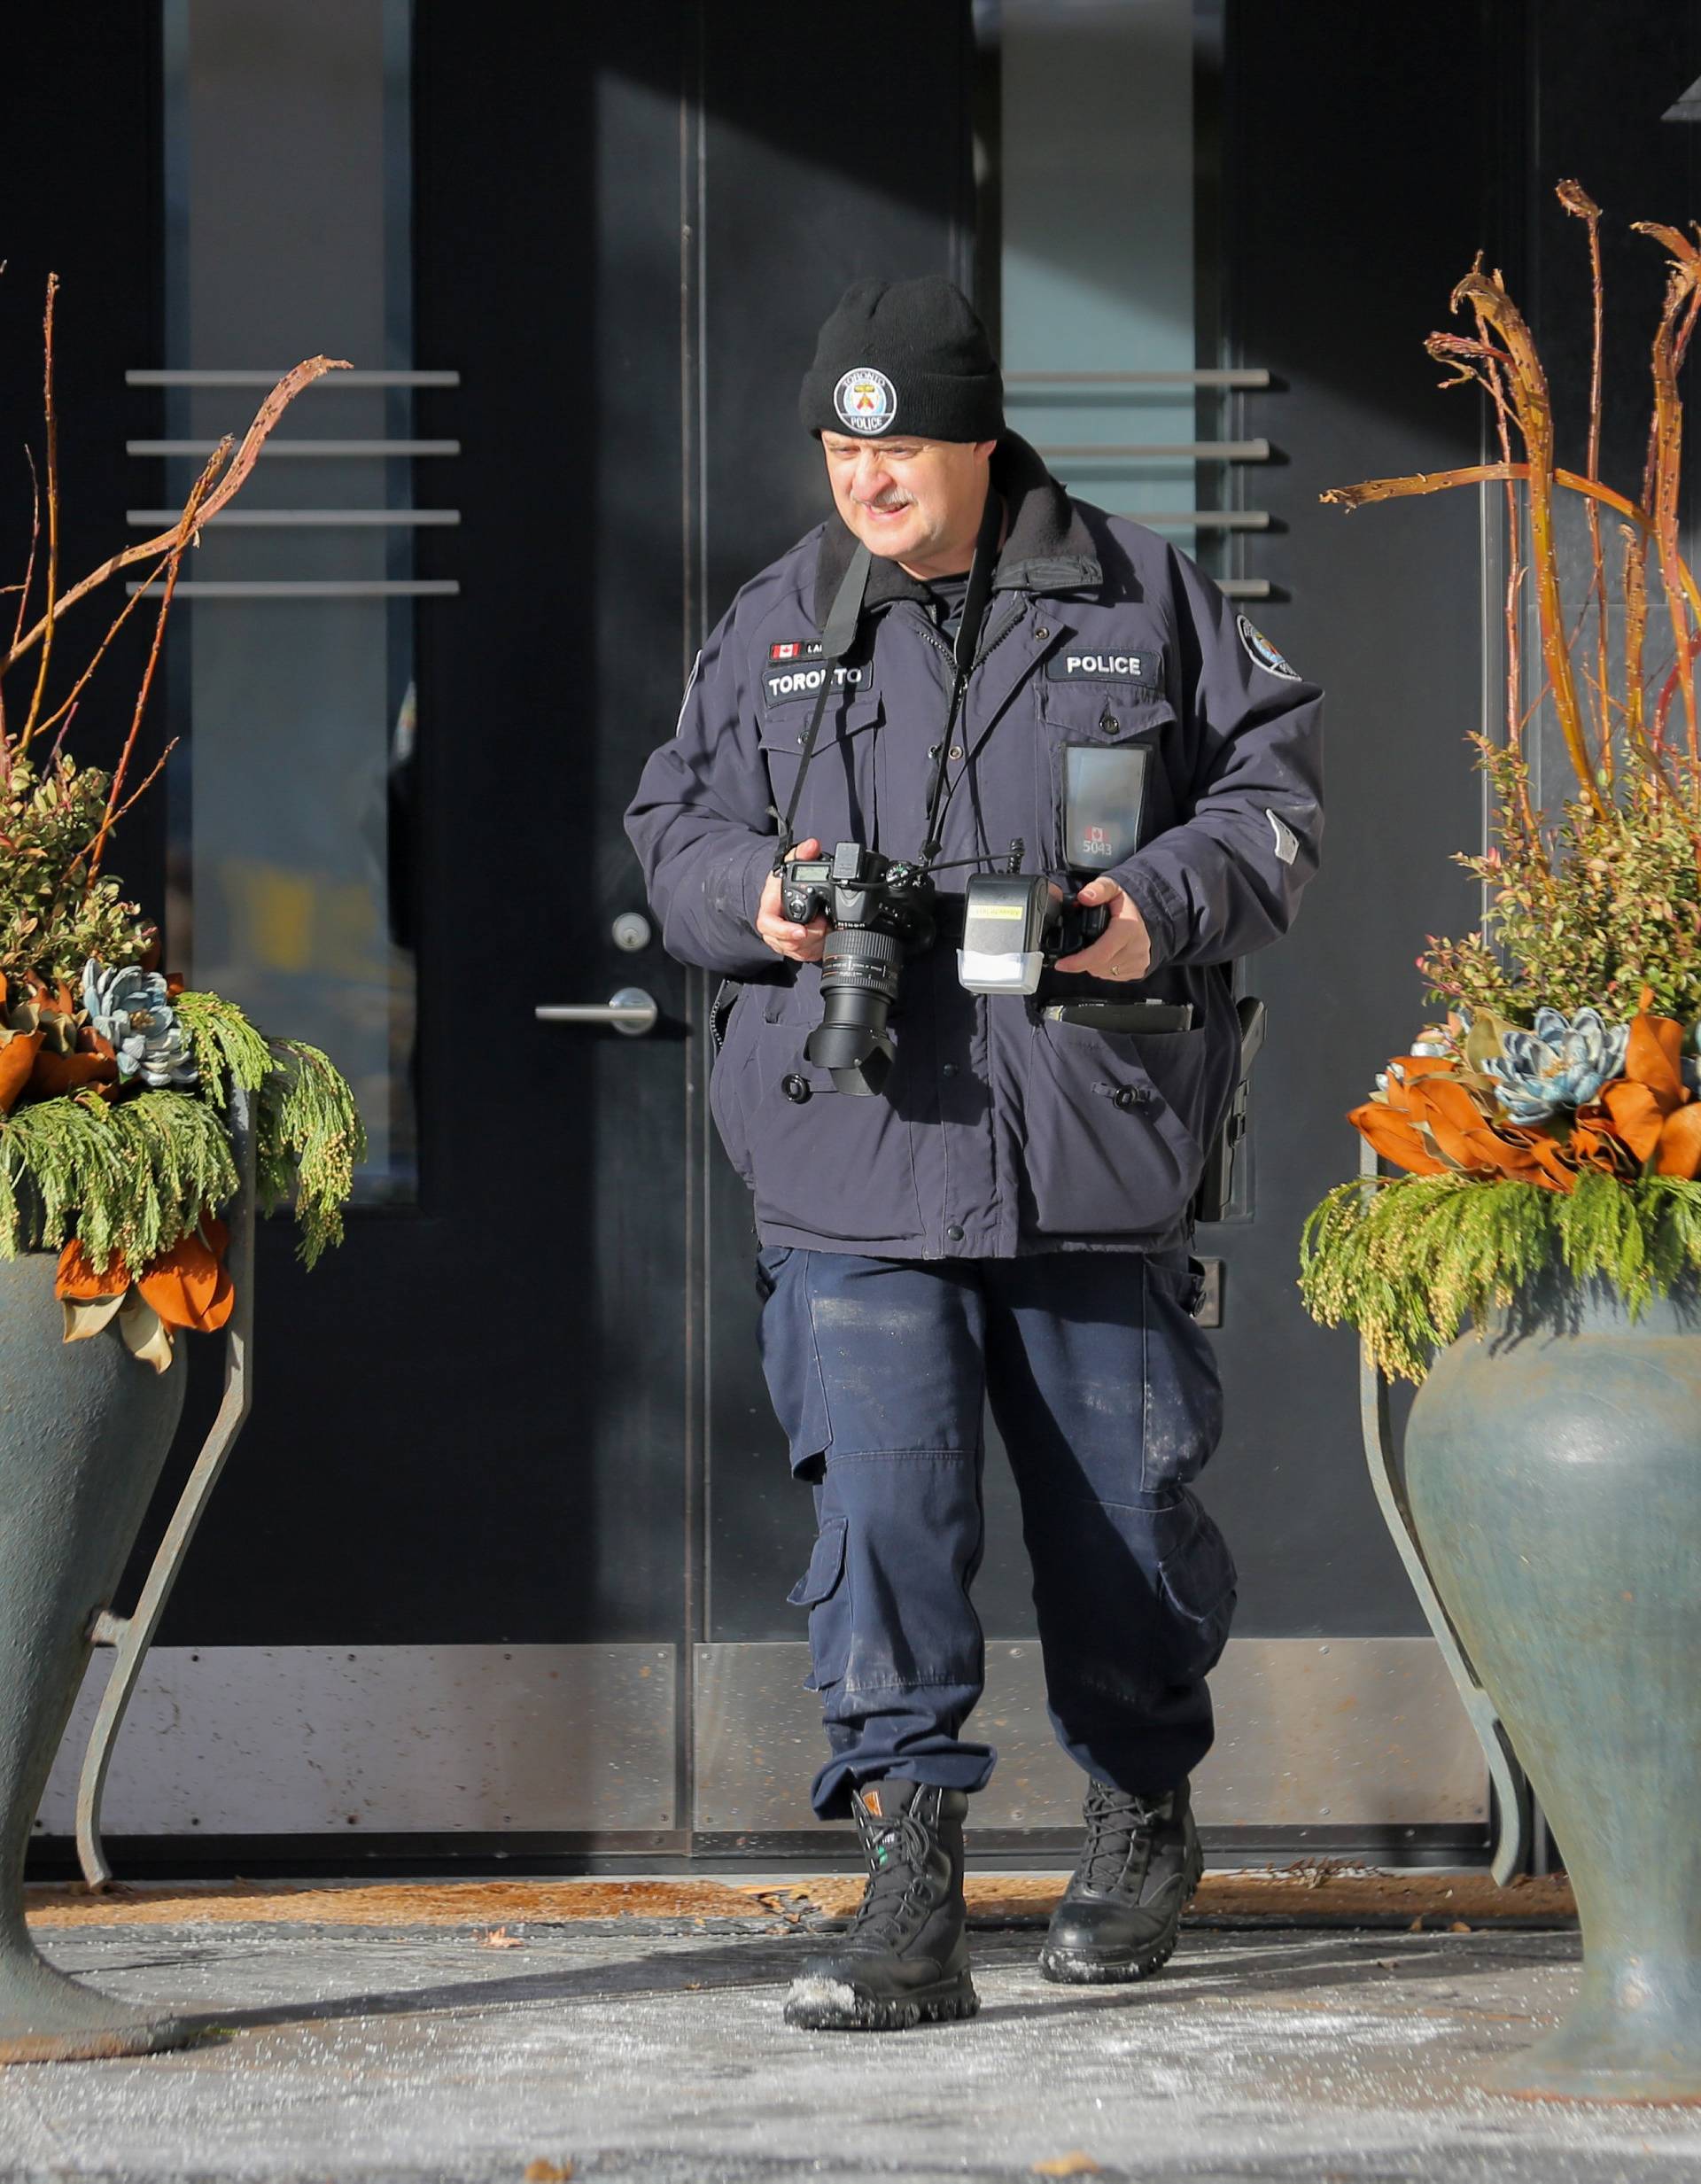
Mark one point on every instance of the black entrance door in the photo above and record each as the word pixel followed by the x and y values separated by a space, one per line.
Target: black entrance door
pixel 446 1599
pixel 439 1605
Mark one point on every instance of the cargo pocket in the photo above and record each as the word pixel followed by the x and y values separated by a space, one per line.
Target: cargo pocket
pixel 1110 1142
pixel 1197 1578
pixel 822 1591
pixel 825 1162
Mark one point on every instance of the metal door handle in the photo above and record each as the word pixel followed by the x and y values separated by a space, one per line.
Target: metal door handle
pixel 631 1010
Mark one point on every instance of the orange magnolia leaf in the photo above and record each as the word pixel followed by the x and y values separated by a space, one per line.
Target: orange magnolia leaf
pixel 187 1285
pixel 17 1060
pixel 1463 1133
pixel 1556 1171
pixel 1653 1056
pixel 1636 1113
pixel 1395 1140
pixel 1678 1152
pixel 1595 1143
pixel 53 1074
pixel 77 1278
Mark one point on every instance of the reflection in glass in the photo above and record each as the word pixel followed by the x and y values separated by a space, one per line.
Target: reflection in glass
pixel 289 204
pixel 1108 274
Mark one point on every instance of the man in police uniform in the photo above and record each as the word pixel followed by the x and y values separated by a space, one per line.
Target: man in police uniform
pixel 1008 1217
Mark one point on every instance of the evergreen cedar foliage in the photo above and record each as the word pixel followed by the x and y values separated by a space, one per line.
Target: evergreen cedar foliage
pixel 1551 1122
pixel 89 1148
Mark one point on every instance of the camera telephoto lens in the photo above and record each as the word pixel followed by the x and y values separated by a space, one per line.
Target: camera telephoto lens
pixel 860 967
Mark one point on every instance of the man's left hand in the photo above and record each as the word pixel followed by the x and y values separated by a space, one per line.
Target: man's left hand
pixel 1124 950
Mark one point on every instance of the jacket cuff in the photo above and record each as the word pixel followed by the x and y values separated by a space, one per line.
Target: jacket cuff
pixel 1162 912
pixel 758 864
pixel 732 886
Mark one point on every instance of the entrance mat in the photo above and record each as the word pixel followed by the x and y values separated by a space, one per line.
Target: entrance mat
pixel 1324 1890
pixel 1329 1891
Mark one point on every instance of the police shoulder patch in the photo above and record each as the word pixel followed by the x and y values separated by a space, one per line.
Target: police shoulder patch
pixel 690 685
pixel 1262 654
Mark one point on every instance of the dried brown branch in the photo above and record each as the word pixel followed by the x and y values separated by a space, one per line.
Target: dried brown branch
pixel 52 422
pixel 1679 678
pixel 1683 283
pixel 229 485
pixel 1578 202
pixel 1636 632
pixel 174 562
pixel 23 588
pixel 1351 497
pixel 1527 393
pixel 64 710
pixel 1494 374
pixel 149 779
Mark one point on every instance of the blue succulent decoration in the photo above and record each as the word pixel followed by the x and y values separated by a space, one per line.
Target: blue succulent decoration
pixel 1562 1063
pixel 132 1008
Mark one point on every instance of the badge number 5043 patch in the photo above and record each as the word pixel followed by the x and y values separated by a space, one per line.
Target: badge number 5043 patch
pixel 1262 654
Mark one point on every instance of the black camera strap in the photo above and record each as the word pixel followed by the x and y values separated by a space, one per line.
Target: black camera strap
pixel 837 637
pixel 962 653
pixel 840 634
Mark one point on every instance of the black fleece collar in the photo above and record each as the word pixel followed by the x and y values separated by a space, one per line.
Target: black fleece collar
pixel 1047 546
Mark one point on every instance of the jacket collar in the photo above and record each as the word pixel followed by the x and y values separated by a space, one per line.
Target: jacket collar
pixel 1047 546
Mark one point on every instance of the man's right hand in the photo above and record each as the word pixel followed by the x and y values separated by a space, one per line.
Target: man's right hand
pixel 799 944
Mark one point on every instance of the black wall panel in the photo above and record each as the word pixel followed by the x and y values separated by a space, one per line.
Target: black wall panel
pixel 1354 199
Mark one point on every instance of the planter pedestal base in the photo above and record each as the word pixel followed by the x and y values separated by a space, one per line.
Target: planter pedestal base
pixel 1554 1476
pixel 84 1430
pixel 46 2017
pixel 1612 2047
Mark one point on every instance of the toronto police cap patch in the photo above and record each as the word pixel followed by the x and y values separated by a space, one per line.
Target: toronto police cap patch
pixel 1263 654
pixel 865 401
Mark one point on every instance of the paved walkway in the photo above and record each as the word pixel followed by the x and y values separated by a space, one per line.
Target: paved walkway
pixel 653 2050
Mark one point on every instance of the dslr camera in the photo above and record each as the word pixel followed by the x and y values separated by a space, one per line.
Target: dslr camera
pixel 878 911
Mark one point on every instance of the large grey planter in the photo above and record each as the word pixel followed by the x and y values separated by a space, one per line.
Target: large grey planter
pixel 84 1432
pixel 1553 1473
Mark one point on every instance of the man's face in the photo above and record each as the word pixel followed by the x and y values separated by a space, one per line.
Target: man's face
pixel 917 502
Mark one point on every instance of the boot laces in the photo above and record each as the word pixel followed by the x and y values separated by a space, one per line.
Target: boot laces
pixel 1120 1830
pixel 896 1851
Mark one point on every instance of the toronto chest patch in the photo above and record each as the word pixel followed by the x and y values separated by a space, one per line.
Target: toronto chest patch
pixel 796 670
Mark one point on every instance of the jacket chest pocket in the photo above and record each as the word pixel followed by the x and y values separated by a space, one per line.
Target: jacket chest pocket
pixel 1122 791
pixel 839 803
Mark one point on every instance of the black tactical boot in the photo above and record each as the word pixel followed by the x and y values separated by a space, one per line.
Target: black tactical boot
pixel 1121 1912
pixel 905 1956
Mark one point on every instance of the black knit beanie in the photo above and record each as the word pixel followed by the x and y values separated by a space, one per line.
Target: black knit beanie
pixel 908 357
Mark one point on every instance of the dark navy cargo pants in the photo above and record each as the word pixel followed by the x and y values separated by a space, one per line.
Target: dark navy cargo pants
pixel 1105 1394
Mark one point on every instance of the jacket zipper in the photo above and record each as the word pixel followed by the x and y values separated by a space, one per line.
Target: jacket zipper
pixel 933 637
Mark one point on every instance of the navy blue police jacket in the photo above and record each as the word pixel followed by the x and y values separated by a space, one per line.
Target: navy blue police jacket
pixel 999 1130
